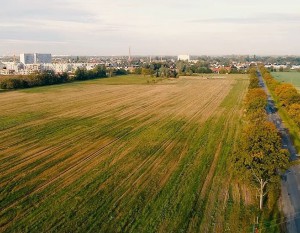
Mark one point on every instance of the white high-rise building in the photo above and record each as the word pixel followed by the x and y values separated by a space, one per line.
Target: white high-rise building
pixel 35 58
pixel 183 57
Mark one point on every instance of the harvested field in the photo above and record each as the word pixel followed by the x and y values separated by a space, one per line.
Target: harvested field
pixel 126 157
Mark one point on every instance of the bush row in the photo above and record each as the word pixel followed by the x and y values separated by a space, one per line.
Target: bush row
pixel 259 153
pixel 49 78
pixel 256 98
pixel 285 94
pixel 254 82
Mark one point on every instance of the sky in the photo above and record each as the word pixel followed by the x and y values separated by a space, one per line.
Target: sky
pixel 156 27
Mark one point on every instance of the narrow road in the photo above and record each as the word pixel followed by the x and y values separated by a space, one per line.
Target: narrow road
pixel 290 183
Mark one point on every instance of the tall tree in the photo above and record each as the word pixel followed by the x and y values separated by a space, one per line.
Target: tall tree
pixel 261 155
pixel 146 71
pixel 256 98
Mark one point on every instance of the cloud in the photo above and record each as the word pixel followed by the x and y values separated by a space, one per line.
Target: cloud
pixel 162 27
pixel 11 41
pixel 259 19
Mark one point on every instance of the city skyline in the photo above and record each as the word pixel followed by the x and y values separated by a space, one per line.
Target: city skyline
pixel 157 27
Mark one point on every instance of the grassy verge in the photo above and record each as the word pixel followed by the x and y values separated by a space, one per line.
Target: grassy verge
pixel 294 130
pixel 115 80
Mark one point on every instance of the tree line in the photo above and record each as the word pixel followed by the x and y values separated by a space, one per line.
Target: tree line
pixel 186 68
pixel 172 69
pixel 50 77
pixel 285 94
pixel 155 69
pixel 180 68
pixel 259 158
pixel 38 79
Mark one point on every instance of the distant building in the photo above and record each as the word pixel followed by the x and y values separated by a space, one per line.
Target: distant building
pixel 42 58
pixel 10 67
pixel 32 68
pixel 183 57
pixel 35 58
pixel 27 58
pixel 295 67
pixel 2 66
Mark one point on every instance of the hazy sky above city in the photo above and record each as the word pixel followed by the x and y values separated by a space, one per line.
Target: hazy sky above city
pixel 158 27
